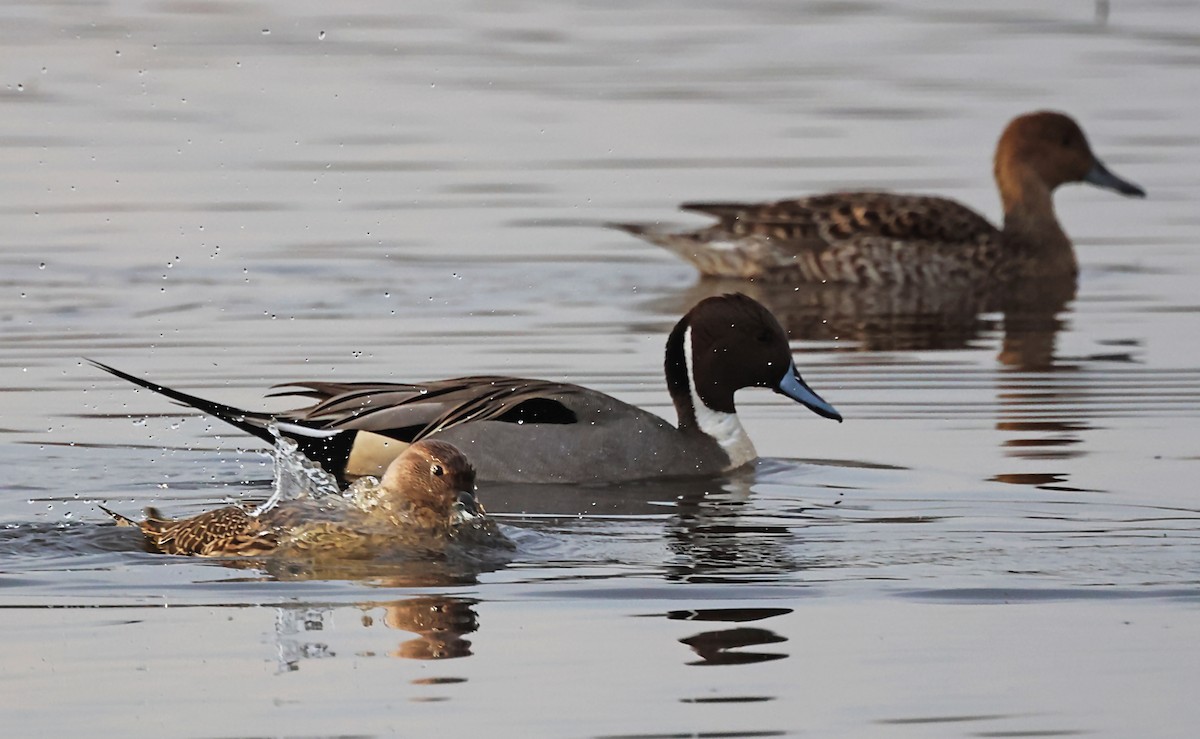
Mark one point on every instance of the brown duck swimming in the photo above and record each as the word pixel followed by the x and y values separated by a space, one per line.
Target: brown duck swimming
pixel 424 504
pixel 537 431
pixel 887 238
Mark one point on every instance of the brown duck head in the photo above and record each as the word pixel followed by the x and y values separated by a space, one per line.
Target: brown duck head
pixel 430 485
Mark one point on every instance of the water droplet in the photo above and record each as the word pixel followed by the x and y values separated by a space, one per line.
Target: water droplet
pixel 42 265
pixel 266 32
pixel 321 36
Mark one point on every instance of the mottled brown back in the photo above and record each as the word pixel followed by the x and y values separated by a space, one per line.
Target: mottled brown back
pixel 229 531
pixel 849 237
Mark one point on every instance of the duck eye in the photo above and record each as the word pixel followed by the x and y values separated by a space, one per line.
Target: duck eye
pixel 437 470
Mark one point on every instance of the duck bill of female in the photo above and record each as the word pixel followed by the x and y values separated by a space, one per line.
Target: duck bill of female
pixel 1099 176
pixel 793 386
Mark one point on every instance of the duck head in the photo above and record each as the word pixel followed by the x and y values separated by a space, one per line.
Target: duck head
pixel 731 342
pixel 1049 149
pixel 431 484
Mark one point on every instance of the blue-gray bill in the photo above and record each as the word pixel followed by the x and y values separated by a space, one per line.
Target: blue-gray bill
pixel 794 386
pixel 1099 176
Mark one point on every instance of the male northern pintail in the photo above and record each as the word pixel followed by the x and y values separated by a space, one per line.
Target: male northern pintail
pixel 886 238
pixel 424 503
pixel 537 431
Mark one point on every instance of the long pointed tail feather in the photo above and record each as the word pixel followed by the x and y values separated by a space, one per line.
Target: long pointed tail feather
pixel 120 519
pixel 655 234
pixel 682 243
pixel 328 447
pixel 252 423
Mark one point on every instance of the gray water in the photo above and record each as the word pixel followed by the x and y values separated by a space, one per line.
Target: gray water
pixel 1001 539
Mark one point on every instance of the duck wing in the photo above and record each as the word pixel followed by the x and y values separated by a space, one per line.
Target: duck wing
pixel 413 411
pixel 865 238
pixel 224 532
pixel 823 220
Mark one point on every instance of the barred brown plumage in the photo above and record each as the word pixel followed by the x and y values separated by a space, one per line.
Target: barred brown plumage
pixel 878 238
pixel 424 503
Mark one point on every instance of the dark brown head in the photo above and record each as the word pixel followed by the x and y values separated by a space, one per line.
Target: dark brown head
pixel 1053 148
pixel 732 342
pixel 430 482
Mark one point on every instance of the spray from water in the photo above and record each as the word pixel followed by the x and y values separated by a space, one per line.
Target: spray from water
pixel 296 476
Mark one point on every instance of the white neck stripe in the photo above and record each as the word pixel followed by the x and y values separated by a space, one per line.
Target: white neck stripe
pixel 725 428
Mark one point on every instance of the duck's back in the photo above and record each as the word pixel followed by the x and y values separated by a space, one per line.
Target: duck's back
pixel 514 429
pixel 849 237
pixel 228 531
pixel 609 441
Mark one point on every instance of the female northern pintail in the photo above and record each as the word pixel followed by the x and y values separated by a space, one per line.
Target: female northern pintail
pixel 538 431
pixel 885 238
pixel 424 503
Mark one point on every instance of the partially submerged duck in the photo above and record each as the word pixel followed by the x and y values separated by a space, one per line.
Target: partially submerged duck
pixel 877 238
pixel 424 503
pixel 537 431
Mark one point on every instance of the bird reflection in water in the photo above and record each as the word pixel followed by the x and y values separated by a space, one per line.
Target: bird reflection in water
pixel 439 622
pixel 716 537
pixel 296 630
pixel 912 317
pixel 717 647
pixel 1046 403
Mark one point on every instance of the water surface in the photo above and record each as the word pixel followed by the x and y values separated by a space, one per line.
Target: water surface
pixel 1001 539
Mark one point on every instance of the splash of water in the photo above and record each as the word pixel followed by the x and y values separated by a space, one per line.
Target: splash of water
pixel 296 476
